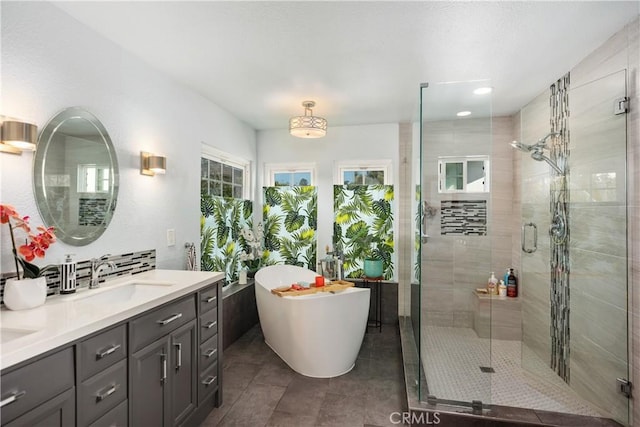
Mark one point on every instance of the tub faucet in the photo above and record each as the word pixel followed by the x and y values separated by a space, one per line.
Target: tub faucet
pixel 97 265
pixel 338 257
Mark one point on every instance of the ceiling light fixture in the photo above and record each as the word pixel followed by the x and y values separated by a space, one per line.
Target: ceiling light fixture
pixel 463 113
pixel 18 137
pixel 483 90
pixel 308 126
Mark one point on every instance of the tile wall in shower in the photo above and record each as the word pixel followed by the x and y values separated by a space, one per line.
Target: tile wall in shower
pixel 455 265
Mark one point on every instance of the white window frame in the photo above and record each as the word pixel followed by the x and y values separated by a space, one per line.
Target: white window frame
pixel 271 169
pixel 444 160
pixel 385 165
pixel 95 186
pixel 237 162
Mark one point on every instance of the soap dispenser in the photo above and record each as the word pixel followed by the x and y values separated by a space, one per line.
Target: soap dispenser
pixel 68 276
pixel 492 285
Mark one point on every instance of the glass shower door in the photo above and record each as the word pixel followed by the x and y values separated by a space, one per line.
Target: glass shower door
pixel 575 299
pixel 455 251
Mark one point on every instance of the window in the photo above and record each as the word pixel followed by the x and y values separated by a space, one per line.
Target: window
pixel 282 175
pixel 366 172
pixel 463 174
pixel 223 175
pixel 93 178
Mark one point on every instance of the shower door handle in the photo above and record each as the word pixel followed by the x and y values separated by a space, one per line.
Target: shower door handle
pixel 535 237
pixel 424 237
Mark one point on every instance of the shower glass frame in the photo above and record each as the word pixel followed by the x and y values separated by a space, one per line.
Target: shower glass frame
pixel 452 262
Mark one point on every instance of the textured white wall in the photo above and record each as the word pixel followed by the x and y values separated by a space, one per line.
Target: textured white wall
pixel 367 142
pixel 50 62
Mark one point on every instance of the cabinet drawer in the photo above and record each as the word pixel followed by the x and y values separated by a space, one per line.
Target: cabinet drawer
pixel 208 324
pixel 57 412
pixel 117 417
pixel 29 386
pixel 102 351
pixel 148 328
pixel 209 352
pixel 102 392
pixel 208 383
pixel 208 298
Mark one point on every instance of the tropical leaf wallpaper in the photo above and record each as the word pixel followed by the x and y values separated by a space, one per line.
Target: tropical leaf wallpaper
pixel 290 216
pixel 363 226
pixel 220 239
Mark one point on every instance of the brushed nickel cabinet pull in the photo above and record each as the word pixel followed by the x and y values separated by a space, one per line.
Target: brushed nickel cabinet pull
pixel 14 396
pixel 210 380
pixel 112 389
pixel 211 299
pixel 105 353
pixel 211 324
pixel 163 357
pixel 169 319
pixel 210 353
pixel 178 347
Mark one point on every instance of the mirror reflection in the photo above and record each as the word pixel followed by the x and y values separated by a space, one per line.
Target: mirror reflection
pixel 76 176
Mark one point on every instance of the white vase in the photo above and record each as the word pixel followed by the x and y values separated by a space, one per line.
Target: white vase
pixel 25 293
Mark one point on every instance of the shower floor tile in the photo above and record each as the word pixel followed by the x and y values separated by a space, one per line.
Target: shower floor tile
pixel 453 358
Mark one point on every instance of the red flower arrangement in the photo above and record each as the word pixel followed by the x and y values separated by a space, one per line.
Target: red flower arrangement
pixel 35 245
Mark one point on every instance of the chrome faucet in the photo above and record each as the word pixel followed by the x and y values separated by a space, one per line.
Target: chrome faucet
pixel 97 265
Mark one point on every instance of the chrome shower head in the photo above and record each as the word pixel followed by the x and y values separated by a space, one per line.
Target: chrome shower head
pixel 537 150
pixel 520 146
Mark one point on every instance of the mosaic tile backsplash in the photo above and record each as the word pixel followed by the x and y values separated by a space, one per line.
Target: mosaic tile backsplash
pixel 463 218
pixel 126 264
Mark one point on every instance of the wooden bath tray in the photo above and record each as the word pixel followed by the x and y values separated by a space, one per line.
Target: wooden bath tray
pixel 334 286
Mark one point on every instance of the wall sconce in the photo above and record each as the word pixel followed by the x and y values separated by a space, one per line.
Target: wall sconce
pixel 17 137
pixel 150 164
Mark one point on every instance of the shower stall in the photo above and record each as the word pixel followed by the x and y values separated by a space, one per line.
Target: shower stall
pixel 543 192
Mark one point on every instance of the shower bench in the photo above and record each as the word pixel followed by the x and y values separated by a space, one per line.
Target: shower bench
pixel 497 317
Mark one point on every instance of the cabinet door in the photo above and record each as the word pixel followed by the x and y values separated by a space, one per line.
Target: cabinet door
pixel 57 412
pixel 183 367
pixel 149 393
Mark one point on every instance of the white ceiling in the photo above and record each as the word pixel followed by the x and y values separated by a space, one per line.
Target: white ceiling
pixel 362 62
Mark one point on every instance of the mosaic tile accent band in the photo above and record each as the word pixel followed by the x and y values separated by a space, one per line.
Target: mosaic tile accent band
pixel 126 264
pixel 92 211
pixel 559 210
pixel 463 218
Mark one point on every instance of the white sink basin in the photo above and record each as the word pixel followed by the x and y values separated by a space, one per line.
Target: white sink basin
pixel 10 334
pixel 122 293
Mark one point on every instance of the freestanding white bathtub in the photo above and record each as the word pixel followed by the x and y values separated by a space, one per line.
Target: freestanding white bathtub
pixel 317 335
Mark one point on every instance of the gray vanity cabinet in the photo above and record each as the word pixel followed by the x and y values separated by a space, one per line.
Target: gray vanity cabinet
pixel 40 393
pixel 163 373
pixel 57 412
pixel 210 345
pixel 160 368
pixel 101 367
pixel 184 372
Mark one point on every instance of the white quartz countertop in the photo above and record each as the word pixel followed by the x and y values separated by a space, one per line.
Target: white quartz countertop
pixel 66 318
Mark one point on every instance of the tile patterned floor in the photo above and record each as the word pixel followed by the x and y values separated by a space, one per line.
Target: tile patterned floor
pixel 452 367
pixel 259 389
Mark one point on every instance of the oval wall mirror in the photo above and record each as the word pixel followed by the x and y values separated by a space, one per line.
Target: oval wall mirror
pixel 75 176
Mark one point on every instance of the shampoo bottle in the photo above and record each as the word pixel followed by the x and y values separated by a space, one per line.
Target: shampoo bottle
pixel 512 284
